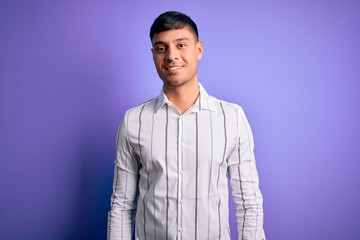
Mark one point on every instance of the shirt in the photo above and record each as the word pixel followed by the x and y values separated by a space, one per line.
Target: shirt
pixel 172 170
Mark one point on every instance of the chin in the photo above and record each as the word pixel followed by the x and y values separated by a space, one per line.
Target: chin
pixel 173 83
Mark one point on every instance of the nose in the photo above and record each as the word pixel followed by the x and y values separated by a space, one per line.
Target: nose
pixel 172 54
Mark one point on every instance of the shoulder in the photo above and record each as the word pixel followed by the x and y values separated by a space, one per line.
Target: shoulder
pixel 138 110
pixel 131 118
pixel 227 107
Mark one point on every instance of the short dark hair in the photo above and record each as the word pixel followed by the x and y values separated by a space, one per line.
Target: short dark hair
pixel 172 20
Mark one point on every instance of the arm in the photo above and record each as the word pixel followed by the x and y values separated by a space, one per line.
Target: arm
pixel 244 182
pixel 125 185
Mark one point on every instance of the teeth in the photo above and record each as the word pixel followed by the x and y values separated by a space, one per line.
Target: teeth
pixel 174 68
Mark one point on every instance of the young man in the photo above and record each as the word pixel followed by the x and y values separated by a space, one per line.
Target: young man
pixel 176 151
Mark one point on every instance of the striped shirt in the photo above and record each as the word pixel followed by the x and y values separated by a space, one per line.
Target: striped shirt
pixel 172 170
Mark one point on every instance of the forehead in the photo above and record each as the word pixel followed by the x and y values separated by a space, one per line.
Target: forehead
pixel 174 35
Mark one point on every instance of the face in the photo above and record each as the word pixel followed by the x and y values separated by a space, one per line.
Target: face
pixel 176 54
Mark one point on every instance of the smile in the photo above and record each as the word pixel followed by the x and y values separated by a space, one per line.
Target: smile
pixel 173 68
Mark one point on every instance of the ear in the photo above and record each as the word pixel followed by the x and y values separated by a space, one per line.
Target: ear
pixel 152 53
pixel 200 49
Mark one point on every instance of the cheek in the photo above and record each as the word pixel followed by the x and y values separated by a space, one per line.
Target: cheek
pixel 189 57
pixel 193 58
pixel 157 62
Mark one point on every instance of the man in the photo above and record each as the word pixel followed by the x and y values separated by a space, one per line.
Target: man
pixel 176 152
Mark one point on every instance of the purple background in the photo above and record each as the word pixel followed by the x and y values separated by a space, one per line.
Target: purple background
pixel 68 72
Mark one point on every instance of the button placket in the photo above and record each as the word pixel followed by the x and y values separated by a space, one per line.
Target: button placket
pixel 180 176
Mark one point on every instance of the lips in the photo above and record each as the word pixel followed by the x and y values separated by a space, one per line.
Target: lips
pixel 173 67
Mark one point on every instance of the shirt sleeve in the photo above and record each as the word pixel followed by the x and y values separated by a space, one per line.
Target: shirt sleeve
pixel 125 185
pixel 244 183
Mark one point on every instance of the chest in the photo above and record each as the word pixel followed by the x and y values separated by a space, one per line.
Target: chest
pixel 168 140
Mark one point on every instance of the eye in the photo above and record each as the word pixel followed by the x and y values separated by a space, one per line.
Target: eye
pixel 160 49
pixel 182 45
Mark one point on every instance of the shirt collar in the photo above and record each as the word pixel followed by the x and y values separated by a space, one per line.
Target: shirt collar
pixel 204 101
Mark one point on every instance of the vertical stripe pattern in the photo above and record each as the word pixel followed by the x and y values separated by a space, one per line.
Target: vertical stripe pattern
pixel 167 171
pixel 223 160
pixel 147 174
pixel 196 175
pixel 174 167
pixel 156 173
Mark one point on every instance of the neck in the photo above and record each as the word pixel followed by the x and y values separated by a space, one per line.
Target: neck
pixel 183 97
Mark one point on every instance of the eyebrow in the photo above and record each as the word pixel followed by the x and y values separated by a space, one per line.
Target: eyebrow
pixel 176 40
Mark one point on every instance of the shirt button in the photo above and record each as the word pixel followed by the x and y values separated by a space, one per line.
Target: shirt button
pixel 180 229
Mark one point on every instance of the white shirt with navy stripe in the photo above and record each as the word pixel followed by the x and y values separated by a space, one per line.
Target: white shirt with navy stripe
pixel 172 170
